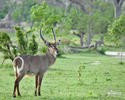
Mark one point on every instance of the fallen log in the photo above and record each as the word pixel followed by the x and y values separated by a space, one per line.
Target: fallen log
pixel 81 47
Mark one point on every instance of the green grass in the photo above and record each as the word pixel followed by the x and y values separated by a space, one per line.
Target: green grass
pixel 61 80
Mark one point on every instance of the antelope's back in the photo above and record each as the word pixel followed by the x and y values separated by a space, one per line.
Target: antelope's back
pixel 35 64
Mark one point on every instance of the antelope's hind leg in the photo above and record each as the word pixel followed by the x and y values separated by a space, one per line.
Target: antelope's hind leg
pixel 16 84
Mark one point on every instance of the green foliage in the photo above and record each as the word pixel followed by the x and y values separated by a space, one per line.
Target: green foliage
pixel 33 46
pixel 101 50
pixel 22 11
pixel 43 49
pixel 22 43
pixel 60 52
pixel 6 47
pixel 23 46
pixel 44 17
pixel 117 30
pixel 4 11
pixel 76 19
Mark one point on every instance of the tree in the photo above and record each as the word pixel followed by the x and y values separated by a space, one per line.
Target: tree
pixel 86 25
pixel 102 17
pixel 3 11
pixel 117 30
pixel 22 11
pixel 117 7
pixel 76 21
pixel 44 17
pixel 80 3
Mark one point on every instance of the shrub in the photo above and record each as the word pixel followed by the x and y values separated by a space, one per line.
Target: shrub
pixel 6 47
pixel 43 49
pixel 81 67
pixel 10 51
pixel 33 46
pixel 60 52
pixel 101 50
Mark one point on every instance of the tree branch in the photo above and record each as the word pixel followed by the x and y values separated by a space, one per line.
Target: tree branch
pixel 121 2
pixel 114 2
pixel 77 34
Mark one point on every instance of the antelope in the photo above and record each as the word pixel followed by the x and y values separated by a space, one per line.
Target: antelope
pixel 35 65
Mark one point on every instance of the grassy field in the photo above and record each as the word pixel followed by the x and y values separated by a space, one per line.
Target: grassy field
pixel 102 78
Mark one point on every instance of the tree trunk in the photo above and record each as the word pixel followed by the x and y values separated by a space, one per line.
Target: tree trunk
pixel 117 10
pixel 81 39
pixel 89 33
pixel 102 38
pixel 89 22
pixel 117 7
pixel 67 4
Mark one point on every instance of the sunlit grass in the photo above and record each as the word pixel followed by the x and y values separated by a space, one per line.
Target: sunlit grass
pixel 102 74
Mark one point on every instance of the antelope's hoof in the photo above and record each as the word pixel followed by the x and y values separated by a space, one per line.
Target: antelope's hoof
pixel 19 95
pixel 39 94
pixel 14 96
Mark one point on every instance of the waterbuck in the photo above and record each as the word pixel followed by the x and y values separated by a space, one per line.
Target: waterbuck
pixel 34 65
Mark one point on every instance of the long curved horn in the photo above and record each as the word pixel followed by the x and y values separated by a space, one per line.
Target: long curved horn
pixel 54 35
pixel 42 38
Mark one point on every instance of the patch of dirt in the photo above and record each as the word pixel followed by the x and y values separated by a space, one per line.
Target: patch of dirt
pixel 111 92
pixel 95 63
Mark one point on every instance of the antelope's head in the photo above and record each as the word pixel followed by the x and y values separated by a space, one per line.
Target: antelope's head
pixel 52 47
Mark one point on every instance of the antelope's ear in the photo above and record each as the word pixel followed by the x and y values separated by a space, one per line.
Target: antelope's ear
pixel 57 43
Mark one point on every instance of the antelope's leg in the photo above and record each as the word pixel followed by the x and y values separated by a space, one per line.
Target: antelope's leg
pixel 36 84
pixel 16 83
pixel 18 91
pixel 40 81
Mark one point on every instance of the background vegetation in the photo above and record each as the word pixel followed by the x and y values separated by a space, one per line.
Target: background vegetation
pixel 86 28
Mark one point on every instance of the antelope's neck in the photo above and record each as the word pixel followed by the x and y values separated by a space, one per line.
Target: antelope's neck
pixel 51 59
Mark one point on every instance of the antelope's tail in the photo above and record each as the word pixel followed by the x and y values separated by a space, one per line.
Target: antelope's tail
pixel 18 65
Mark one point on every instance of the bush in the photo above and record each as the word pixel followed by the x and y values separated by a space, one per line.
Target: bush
pixel 10 51
pixel 43 49
pixel 117 30
pixel 33 46
pixel 60 53
pixel 6 47
pixel 101 50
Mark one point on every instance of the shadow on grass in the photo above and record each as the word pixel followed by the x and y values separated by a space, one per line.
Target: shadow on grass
pixel 62 57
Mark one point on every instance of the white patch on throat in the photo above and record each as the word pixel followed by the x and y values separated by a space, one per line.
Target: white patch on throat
pixel 55 54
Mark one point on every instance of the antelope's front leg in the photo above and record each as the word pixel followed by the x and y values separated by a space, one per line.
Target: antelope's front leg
pixel 36 84
pixel 40 81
